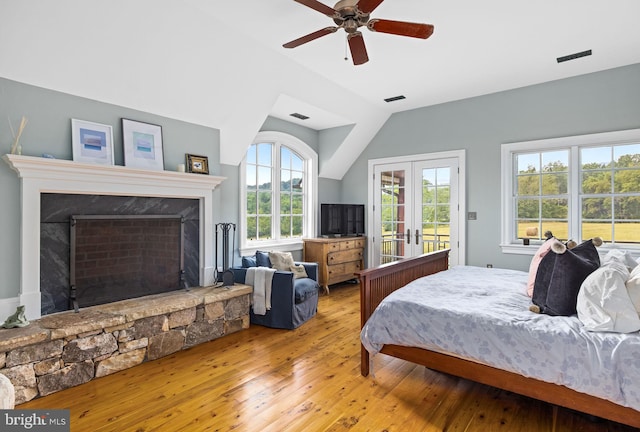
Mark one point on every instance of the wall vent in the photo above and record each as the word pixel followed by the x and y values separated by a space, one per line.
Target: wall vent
pixel 574 56
pixel 395 98
pixel 299 116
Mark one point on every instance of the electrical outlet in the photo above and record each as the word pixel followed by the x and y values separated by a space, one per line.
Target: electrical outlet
pixel 489 265
pixel 472 216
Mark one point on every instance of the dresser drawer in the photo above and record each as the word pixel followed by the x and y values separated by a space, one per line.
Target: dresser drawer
pixel 344 256
pixel 352 244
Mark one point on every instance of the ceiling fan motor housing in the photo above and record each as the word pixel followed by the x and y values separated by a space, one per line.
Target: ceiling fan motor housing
pixel 350 18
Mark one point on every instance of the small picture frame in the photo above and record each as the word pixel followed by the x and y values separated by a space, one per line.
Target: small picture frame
pixel 142 144
pixel 92 142
pixel 197 164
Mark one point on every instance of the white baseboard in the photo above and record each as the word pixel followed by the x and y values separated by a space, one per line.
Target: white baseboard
pixel 7 307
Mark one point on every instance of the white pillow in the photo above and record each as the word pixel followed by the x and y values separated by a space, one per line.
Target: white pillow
pixel 633 287
pixel 603 302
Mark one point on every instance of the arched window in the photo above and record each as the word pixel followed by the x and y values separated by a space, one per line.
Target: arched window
pixel 278 188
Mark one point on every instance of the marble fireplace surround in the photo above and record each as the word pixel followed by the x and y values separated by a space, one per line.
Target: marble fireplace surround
pixel 42 175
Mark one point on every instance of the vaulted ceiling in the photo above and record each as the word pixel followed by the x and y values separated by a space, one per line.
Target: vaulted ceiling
pixel 221 63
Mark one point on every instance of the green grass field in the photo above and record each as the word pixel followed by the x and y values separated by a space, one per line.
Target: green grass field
pixel 625 232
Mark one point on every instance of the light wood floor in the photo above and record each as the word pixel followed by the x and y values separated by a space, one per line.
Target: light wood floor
pixel 308 379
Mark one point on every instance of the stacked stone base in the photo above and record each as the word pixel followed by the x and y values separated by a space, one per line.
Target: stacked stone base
pixel 68 349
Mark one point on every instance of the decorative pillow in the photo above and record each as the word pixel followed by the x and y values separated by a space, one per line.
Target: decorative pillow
pixel 603 301
pixel 249 261
pixel 560 275
pixel 299 271
pixel 262 259
pixel 535 262
pixel 281 260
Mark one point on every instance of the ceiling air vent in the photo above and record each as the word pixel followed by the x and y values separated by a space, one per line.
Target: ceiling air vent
pixel 395 98
pixel 299 116
pixel 574 56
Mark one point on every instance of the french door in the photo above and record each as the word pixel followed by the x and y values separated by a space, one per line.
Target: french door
pixel 416 208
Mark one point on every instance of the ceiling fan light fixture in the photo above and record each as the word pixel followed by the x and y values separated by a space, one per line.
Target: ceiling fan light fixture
pixel 395 98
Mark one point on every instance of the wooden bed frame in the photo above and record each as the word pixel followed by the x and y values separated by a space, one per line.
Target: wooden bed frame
pixel 377 283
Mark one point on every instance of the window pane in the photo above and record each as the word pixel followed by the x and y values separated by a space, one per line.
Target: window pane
pixel 528 229
pixel 296 181
pixel 555 161
pixel 627 181
pixel 264 203
pixel 596 208
pixel 555 184
pixel 443 195
pixel 595 157
pixel 264 227
pixel 627 156
pixel 528 163
pixel 251 177
pixel 285 180
pixel 555 208
pixel 251 154
pixel 528 185
pixel 297 202
pixel 597 229
pixel 627 232
pixel 560 229
pixel 285 203
pixel 252 224
pixel 596 182
pixel 443 213
pixel 264 154
pixel 627 208
pixel 428 194
pixel 528 209
pixel 285 158
pixel 264 178
pixel 296 226
pixel 297 163
pixel 285 226
pixel 251 203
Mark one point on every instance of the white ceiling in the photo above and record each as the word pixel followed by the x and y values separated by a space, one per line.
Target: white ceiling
pixel 221 63
pixel 478 47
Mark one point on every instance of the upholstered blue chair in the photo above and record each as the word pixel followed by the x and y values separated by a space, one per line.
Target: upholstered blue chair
pixel 293 300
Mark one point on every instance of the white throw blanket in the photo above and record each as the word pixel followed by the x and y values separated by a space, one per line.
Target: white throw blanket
pixel 260 279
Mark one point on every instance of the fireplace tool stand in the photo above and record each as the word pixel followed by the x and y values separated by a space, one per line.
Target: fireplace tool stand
pixel 227 275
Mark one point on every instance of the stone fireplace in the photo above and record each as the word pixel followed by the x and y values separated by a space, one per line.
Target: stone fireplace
pixel 65 179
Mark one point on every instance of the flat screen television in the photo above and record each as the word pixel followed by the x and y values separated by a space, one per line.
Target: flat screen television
pixel 341 220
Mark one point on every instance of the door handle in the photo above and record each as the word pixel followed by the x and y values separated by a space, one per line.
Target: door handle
pixel 408 235
pixel 417 237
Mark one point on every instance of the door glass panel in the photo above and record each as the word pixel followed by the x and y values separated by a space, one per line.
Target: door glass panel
pixel 436 190
pixel 392 215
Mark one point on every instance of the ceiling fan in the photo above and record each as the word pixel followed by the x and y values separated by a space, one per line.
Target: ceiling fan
pixel 350 15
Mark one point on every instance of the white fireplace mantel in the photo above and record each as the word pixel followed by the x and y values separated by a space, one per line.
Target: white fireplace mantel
pixel 42 175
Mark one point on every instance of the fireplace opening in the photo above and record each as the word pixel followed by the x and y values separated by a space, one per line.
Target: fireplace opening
pixel 117 257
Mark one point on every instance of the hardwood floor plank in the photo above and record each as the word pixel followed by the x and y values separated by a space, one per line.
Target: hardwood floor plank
pixel 307 379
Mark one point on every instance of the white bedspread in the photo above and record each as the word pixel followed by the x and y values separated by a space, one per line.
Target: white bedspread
pixel 482 314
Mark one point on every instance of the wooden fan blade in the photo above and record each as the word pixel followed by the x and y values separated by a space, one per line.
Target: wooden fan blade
pixel 320 7
pixel 311 36
pixel 358 50
pixel 367 6
pixel 401 28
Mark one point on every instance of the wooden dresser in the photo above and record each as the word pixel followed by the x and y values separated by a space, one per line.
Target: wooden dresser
pixel 338 258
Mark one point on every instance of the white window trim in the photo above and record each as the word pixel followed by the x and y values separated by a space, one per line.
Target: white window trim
pixel 607 138
pixel 248 247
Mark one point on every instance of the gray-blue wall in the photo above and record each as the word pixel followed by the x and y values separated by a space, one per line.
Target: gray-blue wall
pixel 599 102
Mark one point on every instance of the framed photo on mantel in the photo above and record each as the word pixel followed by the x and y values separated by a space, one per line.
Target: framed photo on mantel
pixel 142 145
pixel 92 142
pixel 197 164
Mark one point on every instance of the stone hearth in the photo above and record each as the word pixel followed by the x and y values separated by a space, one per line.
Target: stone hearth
pixel 66 349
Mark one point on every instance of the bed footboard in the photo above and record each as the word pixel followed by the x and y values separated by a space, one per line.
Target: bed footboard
pixel 377 283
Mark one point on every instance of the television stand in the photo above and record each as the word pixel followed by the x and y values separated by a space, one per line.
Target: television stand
pixel 338 258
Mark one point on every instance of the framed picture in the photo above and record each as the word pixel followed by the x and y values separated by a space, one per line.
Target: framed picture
pixel 92 142
pixel 197 164
pixel 142 145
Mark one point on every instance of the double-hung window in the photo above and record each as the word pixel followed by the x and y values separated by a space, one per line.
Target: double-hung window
pixel 278 193
pixel 575 187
